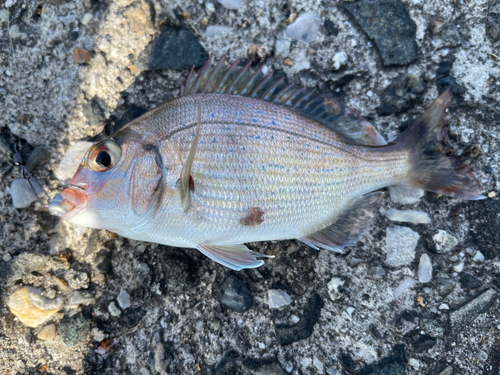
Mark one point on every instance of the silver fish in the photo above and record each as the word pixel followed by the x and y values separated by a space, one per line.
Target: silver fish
pixel 240 158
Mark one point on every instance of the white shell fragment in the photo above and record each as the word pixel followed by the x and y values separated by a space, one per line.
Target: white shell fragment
pixel 305 27
pixel 278 298
pixel 408 216
pixel 405 194
pixel 444 241
pixel 339 59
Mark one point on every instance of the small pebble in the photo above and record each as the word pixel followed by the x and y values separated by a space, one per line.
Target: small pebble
pixel 377 272
pixel 318 363
pixel 262 346
pixel 305 27
pixel 87 17
pixel 492 194
pixel 288 62
pixel 444 241
pixel 407 216
pixel 230 4
pixel 81 56
pixel 113 309
pixel 278 298
pixel 479 257
pixel 459 267
pixel 406 284
pixel 400 244
pixel 443 306
pixel 425 269
pixel 282 48
pixel 123 299
pixel 210 7
pixel 48 332
pixel 214 31
pixel 204 21
pixel 339 59
pixel 186 14
pixel 21 305
pixel 333 287
pixel 66 20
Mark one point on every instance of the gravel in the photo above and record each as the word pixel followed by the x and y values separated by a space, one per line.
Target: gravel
pixel 343 317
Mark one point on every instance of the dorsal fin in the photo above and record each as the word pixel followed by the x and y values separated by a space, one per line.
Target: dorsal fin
pixel 233 80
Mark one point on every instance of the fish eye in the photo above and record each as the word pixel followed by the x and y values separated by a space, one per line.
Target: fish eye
pixel 103 156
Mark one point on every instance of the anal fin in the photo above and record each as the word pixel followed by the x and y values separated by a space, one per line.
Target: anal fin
pixel 348 226
pixel 234 256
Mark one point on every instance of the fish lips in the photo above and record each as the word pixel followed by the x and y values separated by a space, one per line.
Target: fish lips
pixel 74 201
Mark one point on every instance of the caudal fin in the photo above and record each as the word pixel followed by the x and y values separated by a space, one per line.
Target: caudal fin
pixel 435 167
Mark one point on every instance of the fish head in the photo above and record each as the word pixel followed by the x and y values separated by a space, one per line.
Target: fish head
pixel 114 185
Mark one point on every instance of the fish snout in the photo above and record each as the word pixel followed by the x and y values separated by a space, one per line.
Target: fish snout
pixel 68 203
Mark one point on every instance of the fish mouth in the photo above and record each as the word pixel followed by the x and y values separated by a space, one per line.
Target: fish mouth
pixel 73 201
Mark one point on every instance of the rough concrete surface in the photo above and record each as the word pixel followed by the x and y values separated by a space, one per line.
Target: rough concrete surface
pixel 176 323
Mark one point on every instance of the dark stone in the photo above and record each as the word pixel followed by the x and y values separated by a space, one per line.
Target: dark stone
pixel 347 362
pixel 174 271
pixel 39 156
pixel 142 273
pixel 393 364
pixel 73 329
pixel 390 27
pixel 400 96
pixel 444 79
pixel 128 320
pixel 93 112
pixel 263 367
pixel 132 112
pixel 449 82
pixel 493 27
pixel 484 218
pixel 463 315
pixel 330 28
pixel 103 261
pixel 234 295
pixel 227 365
pixel 469 281
pixel 175 48
pixel 423 343
pixel 289 333
pixel 444 286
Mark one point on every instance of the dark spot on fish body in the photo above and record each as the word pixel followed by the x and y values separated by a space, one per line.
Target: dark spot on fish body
pixel 254 217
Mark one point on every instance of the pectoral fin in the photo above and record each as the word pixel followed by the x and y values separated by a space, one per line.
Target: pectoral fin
pixel 348 227
pixel 234 256
pixel 186 182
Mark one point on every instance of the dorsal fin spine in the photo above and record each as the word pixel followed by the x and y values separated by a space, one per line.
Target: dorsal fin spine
pixel 249 82
pixel 224 77
pixel 213 74
pixel 270 91
pixel 261 84
pixel 237 78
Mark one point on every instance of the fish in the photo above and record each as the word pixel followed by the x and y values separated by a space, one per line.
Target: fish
pixel 242 157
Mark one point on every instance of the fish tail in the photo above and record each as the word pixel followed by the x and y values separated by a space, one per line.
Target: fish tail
pixel 434 165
